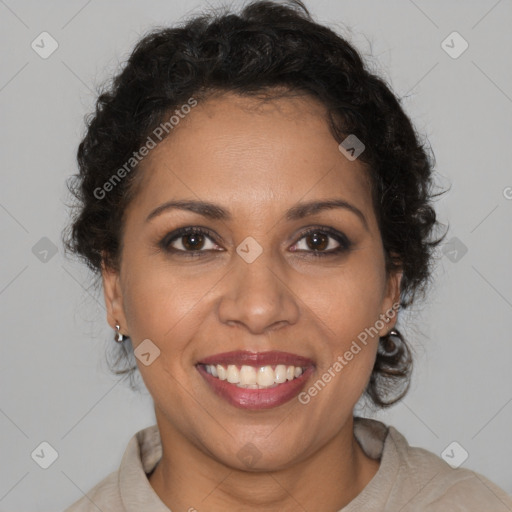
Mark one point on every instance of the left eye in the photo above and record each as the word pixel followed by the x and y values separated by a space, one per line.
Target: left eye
pixel 320 241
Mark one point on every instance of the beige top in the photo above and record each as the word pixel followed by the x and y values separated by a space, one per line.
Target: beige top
pixel 409 479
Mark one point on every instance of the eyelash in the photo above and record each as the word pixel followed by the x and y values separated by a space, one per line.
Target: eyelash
pixel 344 243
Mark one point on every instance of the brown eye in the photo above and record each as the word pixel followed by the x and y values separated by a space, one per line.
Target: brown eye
pixel 189 241
pixel 322 242
pixel 193 241
pixel 317 241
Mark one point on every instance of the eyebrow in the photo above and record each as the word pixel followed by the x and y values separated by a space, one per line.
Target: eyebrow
pixel 216 212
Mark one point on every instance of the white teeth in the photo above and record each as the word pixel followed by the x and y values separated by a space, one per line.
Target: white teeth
pixel 248 375
pixel 233 374
pixel 251 377
pixel 266 376
pixel 221 372
pixel 280 373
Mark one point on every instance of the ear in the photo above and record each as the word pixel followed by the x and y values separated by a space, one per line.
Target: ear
pixel 113 297
pixel 391 301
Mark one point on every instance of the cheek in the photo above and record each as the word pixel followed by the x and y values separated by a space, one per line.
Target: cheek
pixel 347 301
pixel 345 308
pixel 168 307
pixel 158 297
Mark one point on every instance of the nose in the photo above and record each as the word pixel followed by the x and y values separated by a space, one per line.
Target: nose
pixel 258 297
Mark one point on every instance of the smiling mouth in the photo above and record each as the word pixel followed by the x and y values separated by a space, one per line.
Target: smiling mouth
pixel 250 377
pixel 256 380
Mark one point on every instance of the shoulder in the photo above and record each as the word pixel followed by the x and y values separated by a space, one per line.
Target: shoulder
pixel 430 482
pixel 412 479
pixel 129 484
pixel 104 495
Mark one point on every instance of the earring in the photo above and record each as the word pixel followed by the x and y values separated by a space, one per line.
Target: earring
pixel 389 346
pixel 119 337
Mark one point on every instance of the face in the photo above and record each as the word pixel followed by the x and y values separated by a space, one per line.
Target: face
pixel 256 285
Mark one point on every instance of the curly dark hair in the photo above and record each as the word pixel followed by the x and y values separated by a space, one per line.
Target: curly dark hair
pixel 266 50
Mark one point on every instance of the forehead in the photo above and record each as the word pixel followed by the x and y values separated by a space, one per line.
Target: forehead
pixel 242 153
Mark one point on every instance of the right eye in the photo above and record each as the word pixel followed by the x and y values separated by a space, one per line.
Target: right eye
pixel 189 241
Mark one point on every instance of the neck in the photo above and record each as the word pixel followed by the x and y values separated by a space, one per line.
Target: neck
pixel 186 478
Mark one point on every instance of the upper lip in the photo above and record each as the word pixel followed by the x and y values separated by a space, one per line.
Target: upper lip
pixel 248 358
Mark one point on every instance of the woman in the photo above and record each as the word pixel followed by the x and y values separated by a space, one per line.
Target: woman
pixel 259 207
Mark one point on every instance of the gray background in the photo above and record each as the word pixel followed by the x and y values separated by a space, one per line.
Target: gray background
pixel 55 385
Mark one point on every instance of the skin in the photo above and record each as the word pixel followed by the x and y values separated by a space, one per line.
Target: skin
pixel 257 161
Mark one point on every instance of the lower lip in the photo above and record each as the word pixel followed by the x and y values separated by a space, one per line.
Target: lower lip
pixel 256 399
